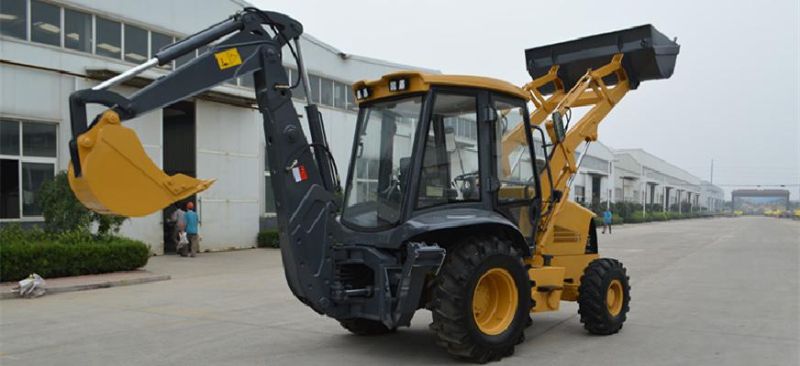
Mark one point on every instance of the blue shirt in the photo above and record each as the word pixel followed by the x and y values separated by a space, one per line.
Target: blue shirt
pixel 191 222
pixel 606 216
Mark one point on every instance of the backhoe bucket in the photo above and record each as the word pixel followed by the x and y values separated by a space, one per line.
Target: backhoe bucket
pixel 117 177
pixel 647 55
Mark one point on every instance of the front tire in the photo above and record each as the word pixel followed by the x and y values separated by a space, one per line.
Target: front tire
pixel 604 296
pixel 482 300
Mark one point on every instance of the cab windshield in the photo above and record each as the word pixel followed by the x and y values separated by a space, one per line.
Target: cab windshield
pixel 380 163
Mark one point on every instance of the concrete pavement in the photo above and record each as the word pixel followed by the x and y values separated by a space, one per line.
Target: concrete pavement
pixel 705 292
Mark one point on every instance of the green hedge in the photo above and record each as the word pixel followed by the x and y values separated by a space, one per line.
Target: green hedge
pixel 615 220
pixel 635 217
pixel 268 239
pixel 23 252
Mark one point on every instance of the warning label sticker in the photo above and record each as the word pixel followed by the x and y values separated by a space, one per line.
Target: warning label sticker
pixel 228 58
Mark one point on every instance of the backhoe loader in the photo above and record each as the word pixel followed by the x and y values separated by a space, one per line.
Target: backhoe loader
pixel 456 194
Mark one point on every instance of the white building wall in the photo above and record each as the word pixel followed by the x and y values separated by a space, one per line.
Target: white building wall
pixel 37 79
pixel 228 149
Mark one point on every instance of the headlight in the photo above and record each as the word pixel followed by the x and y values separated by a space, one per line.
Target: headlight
pixel 362 93
pixel 398 85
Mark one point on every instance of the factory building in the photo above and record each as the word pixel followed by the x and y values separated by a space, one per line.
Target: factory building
pixel 640 177
pixel 49 49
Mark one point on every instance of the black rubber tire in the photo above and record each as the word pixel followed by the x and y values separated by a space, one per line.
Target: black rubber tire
pixel 453 321
pixel 592 296
pixel 365 327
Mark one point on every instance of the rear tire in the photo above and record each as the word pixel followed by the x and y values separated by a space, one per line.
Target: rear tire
pixel 482 300
pixel 365 327
pixel 604 296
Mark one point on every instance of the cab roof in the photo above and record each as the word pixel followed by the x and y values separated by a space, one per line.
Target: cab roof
pixel 422 82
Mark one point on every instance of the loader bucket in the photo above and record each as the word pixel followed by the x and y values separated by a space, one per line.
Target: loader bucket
pixel 647 55
pixel 117 177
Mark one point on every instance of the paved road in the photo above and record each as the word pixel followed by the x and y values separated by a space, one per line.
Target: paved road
pixel 705 292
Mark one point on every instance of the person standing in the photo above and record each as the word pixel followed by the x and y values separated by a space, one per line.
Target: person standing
pixel 607 220
pixel 178 224
pixel 192 229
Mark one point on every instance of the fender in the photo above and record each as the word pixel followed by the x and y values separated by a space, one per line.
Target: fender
pixel 435 225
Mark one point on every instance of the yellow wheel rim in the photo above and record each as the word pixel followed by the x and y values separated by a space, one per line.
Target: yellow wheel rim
pixel 614 297
pixel 494 301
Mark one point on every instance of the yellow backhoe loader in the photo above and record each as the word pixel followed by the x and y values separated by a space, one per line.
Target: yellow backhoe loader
pixel 456 194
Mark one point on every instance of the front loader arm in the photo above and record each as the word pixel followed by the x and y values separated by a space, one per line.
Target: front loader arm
pixel 110 172
pixel 590 91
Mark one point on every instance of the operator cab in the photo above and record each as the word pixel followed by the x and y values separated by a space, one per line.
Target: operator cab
pixel 426 142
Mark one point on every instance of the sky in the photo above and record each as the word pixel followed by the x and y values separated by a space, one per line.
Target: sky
pixel 734 96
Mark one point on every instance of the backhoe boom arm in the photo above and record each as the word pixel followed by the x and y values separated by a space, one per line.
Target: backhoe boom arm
pixel 111 173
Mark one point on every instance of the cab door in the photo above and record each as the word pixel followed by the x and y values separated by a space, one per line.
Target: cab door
pixel 517 193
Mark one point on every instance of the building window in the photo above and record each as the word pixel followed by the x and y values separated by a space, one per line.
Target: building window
pixel 109 38
pixel 39 139
pixel 157 42
pixel 14 18
pixel 9 189
pixel 314 81
pixel 326 86
pixel 339 95
pixel 27 160
pixel 9 138
pixel 45 23
pixel 350 101
pixel 135 44
pixel 77 31
pixel 33 176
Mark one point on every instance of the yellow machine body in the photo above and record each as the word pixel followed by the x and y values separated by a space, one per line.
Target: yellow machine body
pixel 563 233
pixel 119 178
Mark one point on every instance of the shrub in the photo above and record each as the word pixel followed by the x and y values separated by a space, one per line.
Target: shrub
pixel 615 220
pixel 71 254
pixel 63 212
pixel 675 215
pixel 268 239
pixel 636 217
pixel 657 216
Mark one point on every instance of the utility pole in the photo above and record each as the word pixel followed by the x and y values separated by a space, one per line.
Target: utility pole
pixel 613 184
pixel 644 194
pixel 712 171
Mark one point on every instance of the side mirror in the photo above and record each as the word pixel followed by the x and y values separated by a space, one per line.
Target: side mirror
pixel 558 126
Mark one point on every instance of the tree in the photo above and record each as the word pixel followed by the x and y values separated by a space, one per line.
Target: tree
pixel 63 212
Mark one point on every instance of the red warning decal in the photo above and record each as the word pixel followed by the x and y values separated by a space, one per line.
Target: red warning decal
pixel 299 173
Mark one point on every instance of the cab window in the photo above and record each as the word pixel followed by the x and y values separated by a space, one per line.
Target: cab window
pixel 515 167
pixel 450 159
